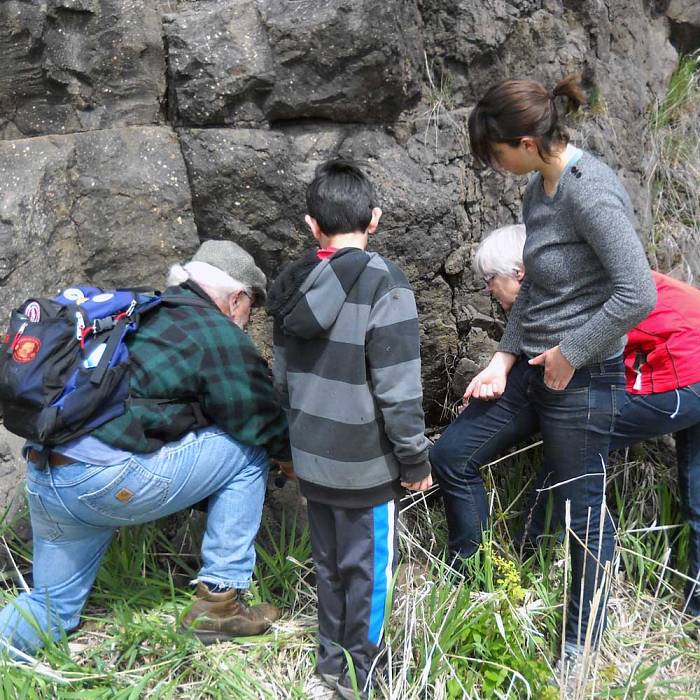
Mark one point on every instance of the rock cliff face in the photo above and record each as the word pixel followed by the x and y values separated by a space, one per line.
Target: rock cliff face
pixel 130 130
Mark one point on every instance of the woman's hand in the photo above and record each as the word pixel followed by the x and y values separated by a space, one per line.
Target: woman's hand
pixel 490 383
pixel 557 370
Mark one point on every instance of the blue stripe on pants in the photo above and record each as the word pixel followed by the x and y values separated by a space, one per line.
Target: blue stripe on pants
pixel 383 523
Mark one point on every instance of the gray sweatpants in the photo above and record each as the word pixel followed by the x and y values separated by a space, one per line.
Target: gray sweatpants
pixel 355 553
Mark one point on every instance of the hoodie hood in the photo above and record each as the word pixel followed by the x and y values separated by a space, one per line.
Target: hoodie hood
pixel 309 293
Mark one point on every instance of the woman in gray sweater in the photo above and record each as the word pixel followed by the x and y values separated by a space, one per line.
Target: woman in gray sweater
pixel 559 362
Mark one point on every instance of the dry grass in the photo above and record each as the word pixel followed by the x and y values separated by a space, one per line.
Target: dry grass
pixel 645 651
pixel 673 174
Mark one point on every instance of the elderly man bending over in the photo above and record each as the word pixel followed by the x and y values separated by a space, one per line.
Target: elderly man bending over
pixel 211 438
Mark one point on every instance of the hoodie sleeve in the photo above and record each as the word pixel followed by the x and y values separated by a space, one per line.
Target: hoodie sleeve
pixel 393 358
pixel 279 364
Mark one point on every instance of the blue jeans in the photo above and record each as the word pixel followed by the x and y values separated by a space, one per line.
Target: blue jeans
pixel 75 510
pixel 575 425
pixel 643 417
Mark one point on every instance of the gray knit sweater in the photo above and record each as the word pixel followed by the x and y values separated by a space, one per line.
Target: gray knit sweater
pixel 587 278
pixel 347 365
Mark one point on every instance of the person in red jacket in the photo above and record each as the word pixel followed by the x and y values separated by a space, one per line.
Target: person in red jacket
pixel 662 394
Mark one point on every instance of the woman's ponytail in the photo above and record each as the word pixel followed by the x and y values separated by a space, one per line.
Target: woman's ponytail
pixel 570 87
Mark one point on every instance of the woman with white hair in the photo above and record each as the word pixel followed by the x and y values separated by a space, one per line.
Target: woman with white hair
pixel 499 262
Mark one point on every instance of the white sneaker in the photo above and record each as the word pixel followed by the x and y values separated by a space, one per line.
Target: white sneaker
pixel 573 672
pixel 316 689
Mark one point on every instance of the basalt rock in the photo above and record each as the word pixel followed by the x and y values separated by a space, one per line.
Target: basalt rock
pixel 11 475
pixel 78 65
pixel 111 207
pixel 345 60
pixel 684 16
pixel 220 64
pixel 257 61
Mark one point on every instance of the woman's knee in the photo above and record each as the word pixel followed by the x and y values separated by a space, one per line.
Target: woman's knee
pixel 448 464
pixel 437 459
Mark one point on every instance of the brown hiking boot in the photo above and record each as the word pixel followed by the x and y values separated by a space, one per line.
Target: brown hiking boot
pixel 216 617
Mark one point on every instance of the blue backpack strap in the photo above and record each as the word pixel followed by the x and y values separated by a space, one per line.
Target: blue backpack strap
pixel 115 338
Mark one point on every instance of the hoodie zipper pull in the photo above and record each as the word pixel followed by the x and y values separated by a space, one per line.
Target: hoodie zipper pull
pixel 638 380
pixel 638 364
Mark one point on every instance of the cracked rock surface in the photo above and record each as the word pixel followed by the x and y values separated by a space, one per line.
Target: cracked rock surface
pixel 111 206
pixel 79 65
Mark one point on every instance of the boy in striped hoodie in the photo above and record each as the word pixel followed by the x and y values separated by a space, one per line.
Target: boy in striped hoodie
pixel 347 365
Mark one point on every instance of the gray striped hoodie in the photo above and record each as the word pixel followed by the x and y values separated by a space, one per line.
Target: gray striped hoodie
pixel 347 365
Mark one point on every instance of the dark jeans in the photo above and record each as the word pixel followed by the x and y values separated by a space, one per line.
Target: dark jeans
pixel 575 424
pixel 643 417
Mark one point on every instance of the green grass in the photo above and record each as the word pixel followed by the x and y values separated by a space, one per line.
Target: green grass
pixel 491 631
pixel 681 92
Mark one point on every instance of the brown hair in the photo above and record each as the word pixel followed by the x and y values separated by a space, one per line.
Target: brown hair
pixel 513 109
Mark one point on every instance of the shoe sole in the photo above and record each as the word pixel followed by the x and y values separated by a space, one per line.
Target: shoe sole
pixel 208 637
pixel 329 680
pixel 348 693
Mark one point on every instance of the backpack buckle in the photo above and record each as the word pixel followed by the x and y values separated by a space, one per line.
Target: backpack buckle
pixel 102 324
pixel 79 325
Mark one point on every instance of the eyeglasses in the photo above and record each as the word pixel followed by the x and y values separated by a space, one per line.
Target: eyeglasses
pixel 489 276
pixel 250 296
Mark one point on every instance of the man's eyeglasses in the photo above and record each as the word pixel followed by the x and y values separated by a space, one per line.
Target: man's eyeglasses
pixel 250 296
pixel 488 277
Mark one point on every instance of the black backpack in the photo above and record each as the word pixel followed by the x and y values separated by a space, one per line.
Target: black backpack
pixel 64 360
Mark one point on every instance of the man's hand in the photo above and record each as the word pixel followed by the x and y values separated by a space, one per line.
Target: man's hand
pixel 490 383
pixel 557 370
pixel 287 468
pixel 422 485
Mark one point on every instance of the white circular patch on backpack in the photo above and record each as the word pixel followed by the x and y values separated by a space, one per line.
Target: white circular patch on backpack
pixel 73 294
pixel 33 312
pixel 102 297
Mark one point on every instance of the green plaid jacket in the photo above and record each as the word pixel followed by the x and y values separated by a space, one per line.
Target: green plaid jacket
pixel 187 354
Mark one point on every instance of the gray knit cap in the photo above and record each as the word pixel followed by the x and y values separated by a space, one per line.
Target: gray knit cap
pixel 235 262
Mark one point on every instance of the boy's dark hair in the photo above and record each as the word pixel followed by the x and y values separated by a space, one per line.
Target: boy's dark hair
pixel 340 197
pixel 513 109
